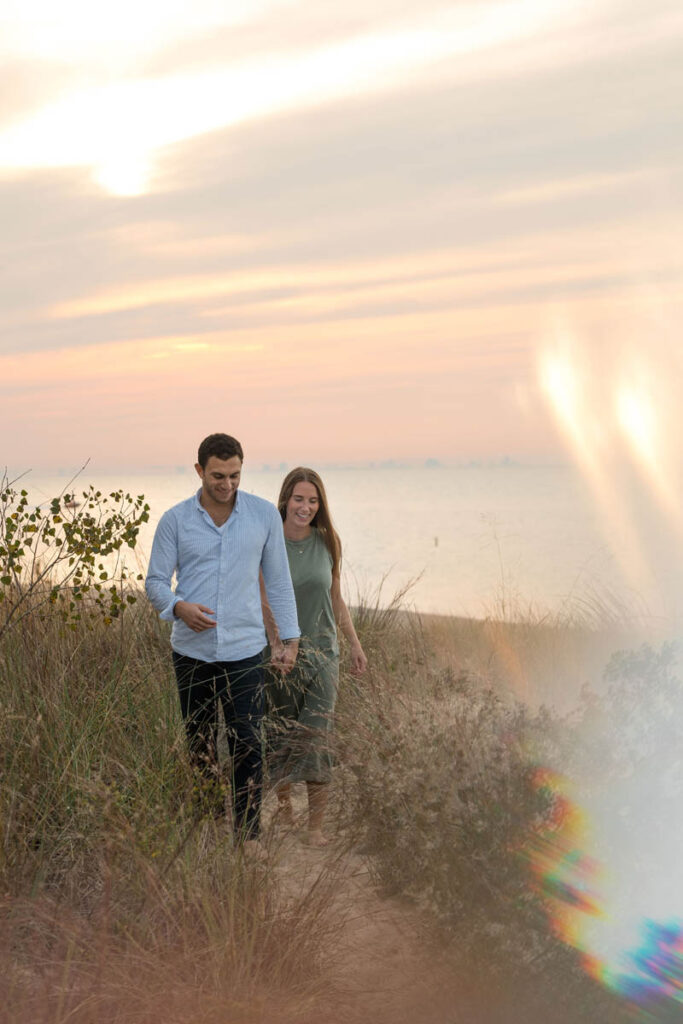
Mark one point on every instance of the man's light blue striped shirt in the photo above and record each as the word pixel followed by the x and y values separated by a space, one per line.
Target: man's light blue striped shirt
pixel 218 566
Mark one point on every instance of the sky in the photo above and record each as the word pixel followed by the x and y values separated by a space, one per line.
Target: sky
pixel 342 233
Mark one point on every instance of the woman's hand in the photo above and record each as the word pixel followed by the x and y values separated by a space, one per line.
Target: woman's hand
pixel 283 656
pixel 289 656
pixel 359 662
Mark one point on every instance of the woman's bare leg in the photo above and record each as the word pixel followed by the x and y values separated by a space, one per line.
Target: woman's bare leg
pixel 285 811
pixel 317 804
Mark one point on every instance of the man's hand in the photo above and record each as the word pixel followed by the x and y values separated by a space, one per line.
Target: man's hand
pixel 194 615
pixel 277 650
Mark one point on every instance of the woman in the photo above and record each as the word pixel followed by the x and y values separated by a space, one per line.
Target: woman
pixel 302 703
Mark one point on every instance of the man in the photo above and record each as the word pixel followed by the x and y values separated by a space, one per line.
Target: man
pixel 217 543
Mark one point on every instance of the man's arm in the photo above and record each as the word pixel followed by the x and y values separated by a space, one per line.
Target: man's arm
pixel 280 593
pixel 163 562
pixel 277 648
pixel 269 622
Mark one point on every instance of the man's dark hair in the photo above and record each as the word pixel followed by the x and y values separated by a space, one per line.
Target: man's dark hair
pixel 222 446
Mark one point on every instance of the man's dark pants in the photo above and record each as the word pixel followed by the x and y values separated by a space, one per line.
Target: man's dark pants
pixel 238 686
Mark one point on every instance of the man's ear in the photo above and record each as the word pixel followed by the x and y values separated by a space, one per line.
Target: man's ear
pixel 200 471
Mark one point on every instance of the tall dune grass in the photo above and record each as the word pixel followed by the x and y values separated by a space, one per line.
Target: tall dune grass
pixel 119 903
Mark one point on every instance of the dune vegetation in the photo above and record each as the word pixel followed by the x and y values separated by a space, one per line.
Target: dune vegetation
pixel 121 902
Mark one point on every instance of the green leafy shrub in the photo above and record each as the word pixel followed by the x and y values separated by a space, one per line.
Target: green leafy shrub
pixel 65 550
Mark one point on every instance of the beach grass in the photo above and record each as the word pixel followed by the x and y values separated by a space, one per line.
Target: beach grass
pixel 117 897
pixel 120 903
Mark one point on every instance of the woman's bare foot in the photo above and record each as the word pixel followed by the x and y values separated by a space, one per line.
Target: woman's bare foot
pixel 314 837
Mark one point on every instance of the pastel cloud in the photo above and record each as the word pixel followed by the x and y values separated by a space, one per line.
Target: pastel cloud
pixel 405 218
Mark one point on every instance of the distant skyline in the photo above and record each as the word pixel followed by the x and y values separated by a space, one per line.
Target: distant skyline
pixel 85 471
pixel 344 235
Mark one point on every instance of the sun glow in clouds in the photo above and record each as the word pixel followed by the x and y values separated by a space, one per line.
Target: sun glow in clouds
pixel 127 175
pixel 79 30
pixel 117 129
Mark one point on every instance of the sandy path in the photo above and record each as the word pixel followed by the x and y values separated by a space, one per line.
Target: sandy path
pixel 383 967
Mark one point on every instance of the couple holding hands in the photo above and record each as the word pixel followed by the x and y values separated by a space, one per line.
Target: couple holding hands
pixel 246 572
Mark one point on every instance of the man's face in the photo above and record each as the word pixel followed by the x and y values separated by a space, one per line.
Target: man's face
pixel 220 479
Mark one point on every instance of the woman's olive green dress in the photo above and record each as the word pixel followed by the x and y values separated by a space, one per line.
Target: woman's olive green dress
pixel 301 704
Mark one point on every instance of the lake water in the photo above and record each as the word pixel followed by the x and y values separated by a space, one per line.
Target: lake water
pixel 475 540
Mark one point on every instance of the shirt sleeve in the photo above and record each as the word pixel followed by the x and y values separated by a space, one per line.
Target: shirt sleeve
pixel 163 562
pixel 278 581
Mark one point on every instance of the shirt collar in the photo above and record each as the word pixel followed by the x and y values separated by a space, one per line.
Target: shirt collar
pixel 198 504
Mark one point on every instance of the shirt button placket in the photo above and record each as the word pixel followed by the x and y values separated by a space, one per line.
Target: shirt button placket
pixel 222 592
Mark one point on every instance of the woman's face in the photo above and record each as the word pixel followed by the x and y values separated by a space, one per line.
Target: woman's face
pixel 302 505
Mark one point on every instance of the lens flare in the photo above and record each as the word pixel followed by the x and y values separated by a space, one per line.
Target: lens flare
pixel 562 379
pixel 616 407
pixel 637 419
pixel 607 861
pixel 563 874
pixel 643 417
pixel 641 962
pixel 574 382
pixel 656 967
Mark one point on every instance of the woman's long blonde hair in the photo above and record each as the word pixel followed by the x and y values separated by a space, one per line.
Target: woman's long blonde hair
pixel 322 520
